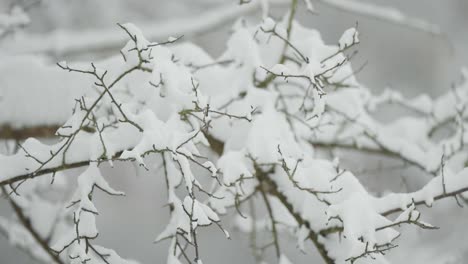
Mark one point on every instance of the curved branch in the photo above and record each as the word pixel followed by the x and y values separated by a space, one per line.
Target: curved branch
pixel 102 40
pixel 383 13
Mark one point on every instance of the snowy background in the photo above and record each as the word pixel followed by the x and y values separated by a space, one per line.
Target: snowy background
pixel 406 60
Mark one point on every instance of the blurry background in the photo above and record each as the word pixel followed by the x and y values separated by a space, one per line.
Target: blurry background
pixel 410 61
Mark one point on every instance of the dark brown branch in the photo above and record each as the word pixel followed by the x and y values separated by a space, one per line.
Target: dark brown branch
pixel 17 134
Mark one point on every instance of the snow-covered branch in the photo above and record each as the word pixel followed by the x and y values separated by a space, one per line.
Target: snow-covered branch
pixel 250 124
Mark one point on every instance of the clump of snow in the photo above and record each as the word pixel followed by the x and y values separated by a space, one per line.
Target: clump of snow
pixel 268 24
pixel 140 41
pixel 349 38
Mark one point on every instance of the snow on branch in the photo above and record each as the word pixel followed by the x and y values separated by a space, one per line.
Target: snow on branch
pixel 264 115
